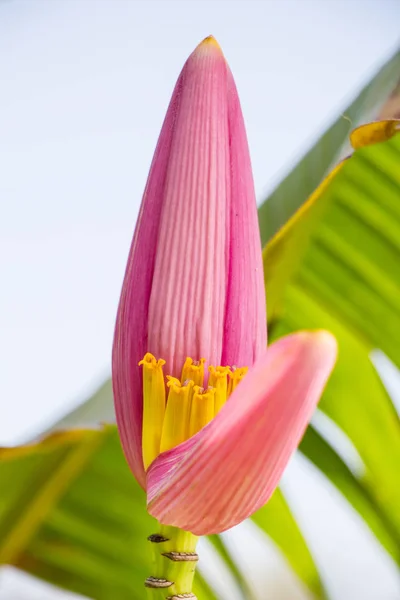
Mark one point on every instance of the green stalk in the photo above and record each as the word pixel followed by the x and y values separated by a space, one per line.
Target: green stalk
pixel 174 564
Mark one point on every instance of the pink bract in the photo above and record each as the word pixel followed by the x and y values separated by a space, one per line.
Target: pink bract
pixel 194 280
pixel 194 287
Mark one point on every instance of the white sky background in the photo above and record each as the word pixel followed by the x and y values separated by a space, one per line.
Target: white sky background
pixel 84 88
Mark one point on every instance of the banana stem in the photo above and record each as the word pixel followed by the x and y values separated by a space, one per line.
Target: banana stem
pixel 174 564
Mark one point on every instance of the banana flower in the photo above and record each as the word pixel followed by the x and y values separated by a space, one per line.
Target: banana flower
pixel 208 416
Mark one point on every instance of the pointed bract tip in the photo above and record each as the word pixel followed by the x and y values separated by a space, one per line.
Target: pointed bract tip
pixel 210 39
pixel 209 43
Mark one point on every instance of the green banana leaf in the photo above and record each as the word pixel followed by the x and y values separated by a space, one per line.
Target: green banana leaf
pixel 360 406
pixel 348 282
pixel 319 452
pixel 301 182
pixel 76 517
pixel 358 244
pixel 278 522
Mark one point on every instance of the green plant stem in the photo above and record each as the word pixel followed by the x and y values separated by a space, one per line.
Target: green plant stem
pixel 174 560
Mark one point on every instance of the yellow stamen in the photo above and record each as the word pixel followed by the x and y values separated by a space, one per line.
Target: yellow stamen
pixel 202 410
pixel 188 408
pixel 193 370
pixel 153 407
pixel 218 379
pixel 235 377
pixel 177 415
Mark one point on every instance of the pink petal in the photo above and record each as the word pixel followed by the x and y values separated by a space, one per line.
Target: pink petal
pixel 194 280
pixel 231 467
pixel 186 313
pixel 207 297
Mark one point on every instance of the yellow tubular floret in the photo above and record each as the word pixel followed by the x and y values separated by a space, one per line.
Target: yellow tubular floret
pixel 153 407
pixel 218 379
pixel 235 377
pixel 194 371
pixel 188 407
pixel 202 410
pixel 177 415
